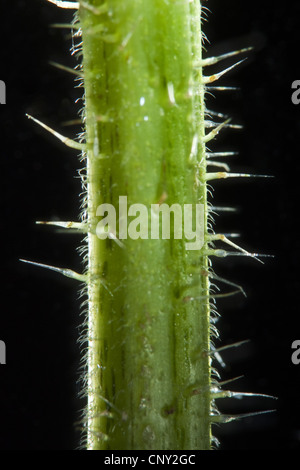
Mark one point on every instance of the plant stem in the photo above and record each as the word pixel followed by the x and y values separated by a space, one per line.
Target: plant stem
pixel 148 320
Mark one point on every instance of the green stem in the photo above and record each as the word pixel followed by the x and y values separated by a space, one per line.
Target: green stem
pixel 148 321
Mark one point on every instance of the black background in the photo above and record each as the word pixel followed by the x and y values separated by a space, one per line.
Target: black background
pixel 39 318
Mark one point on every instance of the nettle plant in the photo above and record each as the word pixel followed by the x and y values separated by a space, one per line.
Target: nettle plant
pixel 149 379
